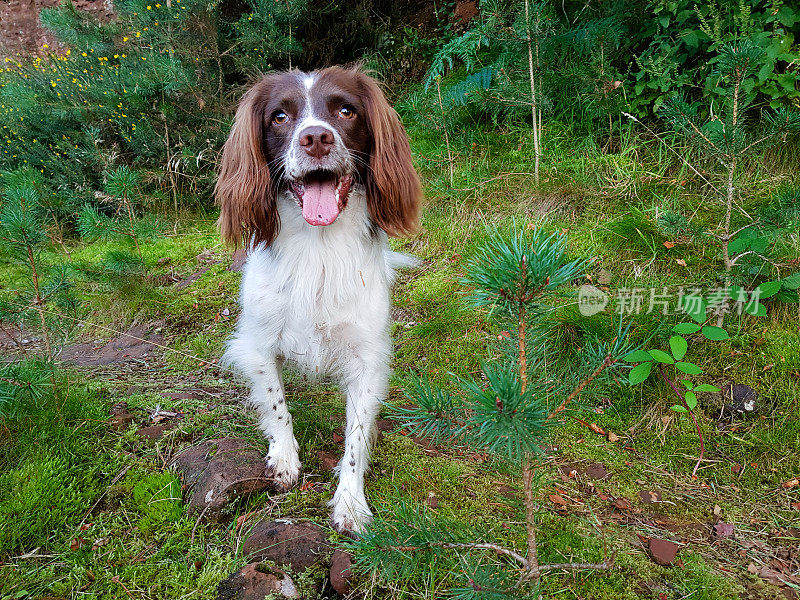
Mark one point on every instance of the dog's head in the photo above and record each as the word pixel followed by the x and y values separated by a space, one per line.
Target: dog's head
pixel 317 135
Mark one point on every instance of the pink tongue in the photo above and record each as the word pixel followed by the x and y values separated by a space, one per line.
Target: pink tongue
pixel 320 204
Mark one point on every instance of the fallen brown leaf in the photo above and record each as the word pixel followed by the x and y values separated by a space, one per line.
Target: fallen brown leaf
pixel 76 543
pixel 723 530
pixel 596 428
pixel 622 504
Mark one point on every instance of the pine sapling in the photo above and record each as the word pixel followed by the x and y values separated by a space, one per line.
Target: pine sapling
pixel 727 138
pixel 22 230
pixel 121 224
pixel 510 415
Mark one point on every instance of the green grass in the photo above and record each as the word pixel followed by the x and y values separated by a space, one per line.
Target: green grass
pixel 61 467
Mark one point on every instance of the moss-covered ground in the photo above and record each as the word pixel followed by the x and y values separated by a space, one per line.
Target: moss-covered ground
pixel 89 512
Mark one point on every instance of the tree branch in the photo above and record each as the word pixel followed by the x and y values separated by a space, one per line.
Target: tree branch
pixel 466 546
pixel 735 259
pixel 607 362
pixel 601 566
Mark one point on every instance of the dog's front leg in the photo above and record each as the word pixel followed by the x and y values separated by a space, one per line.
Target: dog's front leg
pixel 275 420
pixel 366 388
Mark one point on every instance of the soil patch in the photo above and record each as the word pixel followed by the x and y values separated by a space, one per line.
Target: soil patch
pixel 137 343
pixel 21 31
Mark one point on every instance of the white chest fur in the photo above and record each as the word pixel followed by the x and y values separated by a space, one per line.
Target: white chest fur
pixel 318 296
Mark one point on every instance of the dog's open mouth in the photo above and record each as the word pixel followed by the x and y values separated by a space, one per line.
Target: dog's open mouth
pixel 322 195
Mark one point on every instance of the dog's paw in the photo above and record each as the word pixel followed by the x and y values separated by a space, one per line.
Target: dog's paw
pixel 283 471
pixel 349 515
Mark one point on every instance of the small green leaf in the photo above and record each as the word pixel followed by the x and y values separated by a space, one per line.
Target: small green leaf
pixel 714 333
pixel 679 408
pixel 767 289
pixel 705 387
pixel 687 384
pixel 661 356
pixel 678 346
pixel 695 307
pixel 688 368
pixel 792 282
pixel 639 373
pixel 686 328
pixel 691 400
pixel 637 356
pixel 756 309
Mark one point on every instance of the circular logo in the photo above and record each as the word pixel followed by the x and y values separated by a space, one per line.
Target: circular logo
pixel 591 300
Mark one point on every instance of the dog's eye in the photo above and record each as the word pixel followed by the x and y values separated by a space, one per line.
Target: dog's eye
pixel 280 117
pixel 347 112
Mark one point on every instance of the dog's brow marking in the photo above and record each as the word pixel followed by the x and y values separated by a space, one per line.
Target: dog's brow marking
pixel 308 82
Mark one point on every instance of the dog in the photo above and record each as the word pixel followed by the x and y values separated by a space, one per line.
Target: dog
pixel 314 177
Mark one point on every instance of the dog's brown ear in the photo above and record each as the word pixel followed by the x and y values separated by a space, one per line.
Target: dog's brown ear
pixel 244 191
pixel 394 192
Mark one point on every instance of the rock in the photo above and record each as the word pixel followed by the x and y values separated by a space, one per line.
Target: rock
pixel 723 530
pixel 154 432
pixel 298 545
pixel 385 425
pixel 663 551
pixel 650 497
pixel 256 581
pixel 219 471
pixel 597 471
pixel 341 571
pixel 741 398
pixel 121 421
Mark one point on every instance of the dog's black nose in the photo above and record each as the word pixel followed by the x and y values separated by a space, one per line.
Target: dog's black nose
pixel 316 141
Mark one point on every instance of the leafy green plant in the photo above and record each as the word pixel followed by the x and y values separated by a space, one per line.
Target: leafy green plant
pixel 509 414
pixel 682 43
pixel 671 363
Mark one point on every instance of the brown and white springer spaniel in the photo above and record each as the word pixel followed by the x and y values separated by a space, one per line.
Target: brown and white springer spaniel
pixel 315 175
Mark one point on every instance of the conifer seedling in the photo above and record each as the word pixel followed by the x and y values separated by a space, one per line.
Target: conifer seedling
pixel 508 415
